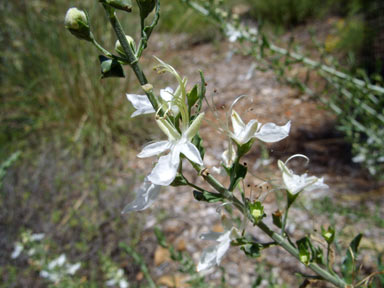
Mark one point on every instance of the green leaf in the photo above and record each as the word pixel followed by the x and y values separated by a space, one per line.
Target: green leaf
pixel 110 68
pixel 161 238
pixel 251 250
pixel 179 181
pixel 237 172
pixel 198 142
pixel 192 97
pixel 348 268
pixel 207 196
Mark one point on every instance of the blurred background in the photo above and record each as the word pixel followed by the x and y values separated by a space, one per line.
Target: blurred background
pixel 68 145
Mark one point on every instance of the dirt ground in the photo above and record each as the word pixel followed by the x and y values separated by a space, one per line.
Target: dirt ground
pixel 313 133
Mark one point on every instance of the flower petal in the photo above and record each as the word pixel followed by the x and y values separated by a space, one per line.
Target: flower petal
pixel 166 94
pixel 191 152
pixel 237 124
pixel 141 103
pixel 145 196
pixel 271 132
pixel 164 172
pixel 207 259
pixel 154 149
pixel 213 236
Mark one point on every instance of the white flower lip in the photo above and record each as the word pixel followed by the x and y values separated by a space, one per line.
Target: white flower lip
pixel 145 197
pixel 214 254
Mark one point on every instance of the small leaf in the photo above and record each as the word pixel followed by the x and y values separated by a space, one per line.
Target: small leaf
pixel 237 172
pixel 252 250
pixel 207 196
pixel 198 142
pixel 110 68
pixel 179 181
pixel 348 267
pixel 160 237
pixel 192 96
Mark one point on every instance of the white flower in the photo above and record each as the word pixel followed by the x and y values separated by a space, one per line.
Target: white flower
pixel 268 132
pixel 145 196
pixel 37 237
pixel 143 106
pixel 297 183
pixel 72 269
pixel 213 254
pixel 57 262
pixel 17 250
pixel 123 283
pixel 166 168
pixel 232 33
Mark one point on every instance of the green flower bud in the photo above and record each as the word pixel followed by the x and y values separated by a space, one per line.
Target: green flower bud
pixel 257 211
pixel 76 21
pixel 119 48
pixel 146 7
pixel 125 5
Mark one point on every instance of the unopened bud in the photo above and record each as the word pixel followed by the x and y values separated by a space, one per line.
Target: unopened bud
pixel 146 7
pixel 76 21
pixel 119 48
pixel 125 5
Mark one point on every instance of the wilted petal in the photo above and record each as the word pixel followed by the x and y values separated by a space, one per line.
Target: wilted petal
pixel 141 104
pixel 164 172
pixel 154 149
pixel 271 132
pixel 222 248
pixel 191 152
pixel 145 196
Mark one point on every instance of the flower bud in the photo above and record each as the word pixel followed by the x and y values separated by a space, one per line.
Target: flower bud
pixel 119 48
pixel 125 5
pixel 146 7
pixel 76 21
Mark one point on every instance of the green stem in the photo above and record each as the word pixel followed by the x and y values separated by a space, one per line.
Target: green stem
pixel 133 62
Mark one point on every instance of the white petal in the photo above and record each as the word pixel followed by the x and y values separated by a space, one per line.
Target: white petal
pixel 223 247
pixel 71 269
pixel 164 172
pixel 154 149
pixel 237 124
pixel 37 237
pixel 168 129
pixel 191 152
pixel 166 94
pixel 270 132
pixel 145 196
pixel 207 259
pixel 213 236
pixel 248 132
pixel 17 251
pixel 141 104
